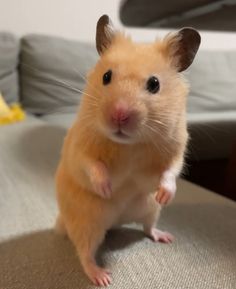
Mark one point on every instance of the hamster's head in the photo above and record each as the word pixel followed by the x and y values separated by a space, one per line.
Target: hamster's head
pixel 136 91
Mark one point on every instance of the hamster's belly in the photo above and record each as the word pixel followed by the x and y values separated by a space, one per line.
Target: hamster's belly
pixel 133 196
pixel 134 184
pixel 136 208
pixel 146 184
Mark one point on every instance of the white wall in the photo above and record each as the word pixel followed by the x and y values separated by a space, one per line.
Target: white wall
pixel 69 18
pixel 77 19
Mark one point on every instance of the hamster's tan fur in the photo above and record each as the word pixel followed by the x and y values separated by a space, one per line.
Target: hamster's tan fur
pixel 101 182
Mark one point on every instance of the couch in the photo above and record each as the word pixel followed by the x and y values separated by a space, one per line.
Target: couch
pixel 45 74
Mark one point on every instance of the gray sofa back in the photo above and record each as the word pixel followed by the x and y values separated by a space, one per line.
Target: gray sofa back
pixel 9 50
pixel 213 82
pixel 52 73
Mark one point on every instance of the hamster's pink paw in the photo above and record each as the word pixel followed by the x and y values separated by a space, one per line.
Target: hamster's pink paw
pixel 160 236
pixel 100 180
pixel 164 196
pixel 99 276
pixel 167 189
pixel 103 188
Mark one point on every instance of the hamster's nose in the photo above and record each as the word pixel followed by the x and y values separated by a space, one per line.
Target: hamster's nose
pixel 120 116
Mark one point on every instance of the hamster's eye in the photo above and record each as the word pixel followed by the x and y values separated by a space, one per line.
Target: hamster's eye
pixel 153 85
pixel 107 77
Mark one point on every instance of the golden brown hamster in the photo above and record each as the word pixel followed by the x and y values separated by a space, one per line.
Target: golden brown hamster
pixel 121 156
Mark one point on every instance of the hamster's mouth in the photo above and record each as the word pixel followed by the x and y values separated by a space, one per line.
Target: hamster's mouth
pixel 120 137
pixel 121 134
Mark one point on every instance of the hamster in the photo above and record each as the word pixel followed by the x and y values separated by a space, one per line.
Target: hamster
pixel 126 147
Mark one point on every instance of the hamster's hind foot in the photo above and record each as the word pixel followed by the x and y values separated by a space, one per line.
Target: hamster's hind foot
pixel 160 236
pixel 99 276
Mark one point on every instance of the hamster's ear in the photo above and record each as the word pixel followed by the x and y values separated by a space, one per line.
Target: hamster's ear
pixel 104 34
pixel 181 47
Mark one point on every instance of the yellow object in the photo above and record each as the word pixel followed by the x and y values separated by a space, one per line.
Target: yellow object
pixel 10 114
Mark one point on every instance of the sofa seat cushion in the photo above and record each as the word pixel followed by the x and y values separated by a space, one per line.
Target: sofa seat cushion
pixel 62 119
pixel 29 152
pixel 9 51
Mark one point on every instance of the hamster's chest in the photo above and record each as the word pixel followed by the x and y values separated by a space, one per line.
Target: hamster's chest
pixel 138 173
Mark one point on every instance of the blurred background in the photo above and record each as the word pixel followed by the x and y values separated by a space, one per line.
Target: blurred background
pixel 143 19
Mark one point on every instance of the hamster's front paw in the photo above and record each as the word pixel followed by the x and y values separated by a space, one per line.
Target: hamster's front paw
pixel 167 189
pixel 100 180
pixel 102 188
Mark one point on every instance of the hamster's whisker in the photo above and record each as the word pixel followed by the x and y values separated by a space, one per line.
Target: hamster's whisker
pixel 93 98
pixel 144 137
pixel 200 130
pixel 86 80
pixel 93 102
pixel 157 132
pixel 160 149
pixel 54 80
pixel 158 122
pixel 62 109
pixel 80 74
pixel 166 114
pixel 157 129
pixel 86 116
pixel 154 129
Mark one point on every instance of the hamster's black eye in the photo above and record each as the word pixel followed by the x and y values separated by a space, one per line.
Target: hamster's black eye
pixel 153 85
pixel 107 77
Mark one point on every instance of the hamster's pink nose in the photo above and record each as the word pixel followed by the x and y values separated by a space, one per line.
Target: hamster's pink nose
pixel 120 116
